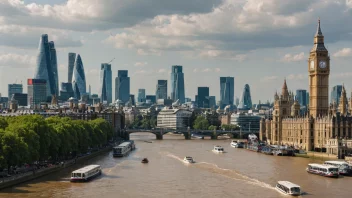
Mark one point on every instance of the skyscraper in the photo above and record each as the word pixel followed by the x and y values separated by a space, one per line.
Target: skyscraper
pixel 212 101
pixel 161 90
pixel 307 98
pixel 45 60
pixel 106 83
pixel 141 95
pixel 151 98
pixel 203 97
pixel 79 78
pixel 66 91
pixel 336 94
pixel 53 59
pixel 14 88
pixel 177 84
pixel 36 92
pixel 71 64
pixel 301 96
pixel 227 91
pixel 122 86
pixel 246 99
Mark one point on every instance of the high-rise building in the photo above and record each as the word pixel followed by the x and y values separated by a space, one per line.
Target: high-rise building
pixel 227 91
pixel 14 88
pixel 161 90
pixel 45 68
pixel 246 99
pixel 71 64
pixel 132 100
pixel 21 98
pixel 122 86
pixel 106 83
pixel 188 100
pixel 336 94
pixel 307 98
pixel 37 92
pixel 203 97
pixel 301 97
pixel 212 102
pixel 66 91
pixel 151 98
pixel 237 101
pixel 53 59
pixel 141 95
pixel 79 78
pixel 177 84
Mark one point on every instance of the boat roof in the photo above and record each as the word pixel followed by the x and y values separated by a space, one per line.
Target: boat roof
pixel 86 169
pixel 218 146
pixel 188 157
pixel 288 184
pixel 322 165
pixel 336 162
pixel 125 144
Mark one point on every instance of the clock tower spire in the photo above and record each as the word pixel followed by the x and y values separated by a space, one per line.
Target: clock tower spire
pixel 319 70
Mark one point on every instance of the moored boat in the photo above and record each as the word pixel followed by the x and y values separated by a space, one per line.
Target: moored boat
pixel 86 173
pixel 323 170
pixel 234 143
pixel 218 149
pixel 288 188
pixel 344 167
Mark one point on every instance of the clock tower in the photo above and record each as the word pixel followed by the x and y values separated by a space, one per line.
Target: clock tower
pixel 319 70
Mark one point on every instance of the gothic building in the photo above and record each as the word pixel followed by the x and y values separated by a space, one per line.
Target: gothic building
pixel 325 127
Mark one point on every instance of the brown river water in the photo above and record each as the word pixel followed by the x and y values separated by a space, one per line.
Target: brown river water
pixel 236 173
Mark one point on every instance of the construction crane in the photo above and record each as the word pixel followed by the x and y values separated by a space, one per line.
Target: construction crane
pixel 111 60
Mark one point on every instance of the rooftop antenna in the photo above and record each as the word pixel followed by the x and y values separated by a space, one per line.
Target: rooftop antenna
pixel 111 60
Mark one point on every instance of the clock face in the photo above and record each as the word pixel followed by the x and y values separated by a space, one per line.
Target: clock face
pixel 311 64
pixel 322 64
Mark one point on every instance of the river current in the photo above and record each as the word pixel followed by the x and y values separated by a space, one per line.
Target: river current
pixel 236 173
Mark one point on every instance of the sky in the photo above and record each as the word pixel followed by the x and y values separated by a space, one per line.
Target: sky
pixel 259 42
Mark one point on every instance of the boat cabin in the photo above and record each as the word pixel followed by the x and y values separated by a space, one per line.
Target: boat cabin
pixel 86 173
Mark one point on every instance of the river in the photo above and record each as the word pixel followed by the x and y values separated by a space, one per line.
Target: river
pixel 236 173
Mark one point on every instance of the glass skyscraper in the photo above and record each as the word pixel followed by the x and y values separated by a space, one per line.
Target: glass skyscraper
pixel 336 94
pixel 66 91
pixel 46 68
pixel 122 86
pixel 212 102
pixel 177 84
pixel 161 90
pixel 203 97
pixel 227 90
pixel 141 95
pixel 105 83
pixel 36 92
pixel 246 99
pixel 79 78
pixel 14 88
pixel 301 96
pixel 152 98
pixel 71 64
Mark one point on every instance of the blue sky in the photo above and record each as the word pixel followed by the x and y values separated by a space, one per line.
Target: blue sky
pixel 259 42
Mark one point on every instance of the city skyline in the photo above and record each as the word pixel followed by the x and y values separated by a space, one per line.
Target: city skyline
pixel 278 55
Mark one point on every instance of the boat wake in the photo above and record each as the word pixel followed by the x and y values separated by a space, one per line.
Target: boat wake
pixel 175 157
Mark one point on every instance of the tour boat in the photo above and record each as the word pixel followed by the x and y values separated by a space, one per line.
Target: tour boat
pixel 145 161
pixel 133 146
pixel 323 170
pixel 344 167
pixel 218 149
pixel 122 150
pixel 288 188
pixel 188 160
pixel 85 173
pixel 234 143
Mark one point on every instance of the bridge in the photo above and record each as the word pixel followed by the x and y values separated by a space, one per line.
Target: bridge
pixel 159 133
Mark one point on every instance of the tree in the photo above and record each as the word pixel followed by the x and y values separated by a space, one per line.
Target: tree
pixel 3 123
pixel 212 127
pixel 229 127
pixel 201 123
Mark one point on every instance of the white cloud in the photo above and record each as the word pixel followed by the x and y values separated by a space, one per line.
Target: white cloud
pixel 217 69
pixel 141 64
pixel 343 52
pixel 161 71
pixel 293 57
pixel 269 78
pixel 17 60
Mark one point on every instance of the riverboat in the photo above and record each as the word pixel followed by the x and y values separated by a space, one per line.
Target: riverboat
pixel 288 188
pixel 133 146
pixel 234 143
pixel 145 161
pixel 86 173
pixel 122 150
pixel 254 147
pixel 267 150
pixel 218 149
pixel 344 167
pixel 323 170
pixel 240 145
pixel 188 160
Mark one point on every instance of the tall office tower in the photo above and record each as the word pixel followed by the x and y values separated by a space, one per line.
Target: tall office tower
pixel 37 92
pixel 14 88
pixel 203 97
pixel 54 66
pixel 301 96
pixel 106 83
pixel 151 98
pixel 79 78
pixel 246 99
pixel 71 64
pixel 161 90
pixel 66 91
pixel 212 102
pixel 21 98
pixel 336 94
pixel 307 98
pixel 122 86
pixel 45 68
pixel 141 95
pixel 132 100
pixel 227 91
pixel 177 84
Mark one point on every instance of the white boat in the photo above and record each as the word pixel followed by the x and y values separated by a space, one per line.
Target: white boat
pixel 288 188
pixel 85 173
pixel 188 160
pixel 218 149
pixel 344 167
pixel 234 143
pixel 122 150
pixel 323 170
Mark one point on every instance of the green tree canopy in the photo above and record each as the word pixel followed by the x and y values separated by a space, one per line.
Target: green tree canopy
pixel 201 123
